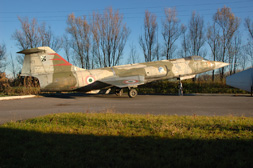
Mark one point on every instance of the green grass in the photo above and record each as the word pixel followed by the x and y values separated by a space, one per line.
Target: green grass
pixel 124 140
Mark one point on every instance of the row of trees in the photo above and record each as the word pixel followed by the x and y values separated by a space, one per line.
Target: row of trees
pixel 100 41
pixel 222 36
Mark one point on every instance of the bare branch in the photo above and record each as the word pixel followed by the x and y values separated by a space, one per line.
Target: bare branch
pixel 34 35
pixel 2 57
pixel 196 34
pixel 249 26
pixel 228 24
pixel 171 31
pixel 110 35
pixel 147 40
pixel 79 30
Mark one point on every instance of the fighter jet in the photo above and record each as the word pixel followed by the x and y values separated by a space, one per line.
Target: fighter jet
pixel 56 74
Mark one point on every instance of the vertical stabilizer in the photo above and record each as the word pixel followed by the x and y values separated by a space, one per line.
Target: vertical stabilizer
pixel 53 71
pixel 43 60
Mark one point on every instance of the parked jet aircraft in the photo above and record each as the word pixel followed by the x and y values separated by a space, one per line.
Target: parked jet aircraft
pixel 56 74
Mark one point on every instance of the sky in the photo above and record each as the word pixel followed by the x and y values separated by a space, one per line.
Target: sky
pixel 54 13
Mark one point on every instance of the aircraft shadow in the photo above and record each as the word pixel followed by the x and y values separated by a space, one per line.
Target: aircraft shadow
pixel 111 95
pixel 75 95
pixel 19 148
pixel 65 95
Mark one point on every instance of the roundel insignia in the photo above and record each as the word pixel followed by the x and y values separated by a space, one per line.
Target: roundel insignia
pixel 90 79
pixel 130 81
pixel 161 69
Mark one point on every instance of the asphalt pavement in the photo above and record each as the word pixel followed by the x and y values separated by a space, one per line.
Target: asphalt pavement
pixel 204 105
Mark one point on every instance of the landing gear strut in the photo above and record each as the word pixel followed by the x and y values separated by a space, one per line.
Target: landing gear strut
pixel 180 87
pixel 132 93
pixel 119 91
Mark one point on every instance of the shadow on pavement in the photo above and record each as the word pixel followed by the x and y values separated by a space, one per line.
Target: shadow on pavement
pixel 111 95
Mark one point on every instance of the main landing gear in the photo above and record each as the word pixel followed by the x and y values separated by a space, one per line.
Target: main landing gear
pixel 131 92
pixel 119 91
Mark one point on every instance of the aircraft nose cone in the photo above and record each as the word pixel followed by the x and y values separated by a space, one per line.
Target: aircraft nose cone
pixel 220 64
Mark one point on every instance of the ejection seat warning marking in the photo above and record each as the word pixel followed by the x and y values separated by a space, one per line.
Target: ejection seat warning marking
pixel 130 81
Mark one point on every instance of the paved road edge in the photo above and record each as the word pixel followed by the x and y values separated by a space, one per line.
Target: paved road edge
pixel 17 97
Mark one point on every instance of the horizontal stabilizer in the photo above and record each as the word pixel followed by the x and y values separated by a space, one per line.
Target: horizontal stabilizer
pixel 242 80
pixel 30 51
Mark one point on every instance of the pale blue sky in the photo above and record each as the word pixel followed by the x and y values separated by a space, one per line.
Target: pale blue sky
pixel 55 12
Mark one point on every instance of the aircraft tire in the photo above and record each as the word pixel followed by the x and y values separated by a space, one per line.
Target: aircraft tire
pixel 132 93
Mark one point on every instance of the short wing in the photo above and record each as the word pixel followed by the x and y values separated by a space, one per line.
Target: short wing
pixel 187 77
pixel 121 82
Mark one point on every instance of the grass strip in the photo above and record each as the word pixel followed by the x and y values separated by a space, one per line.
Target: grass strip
pixel 124 140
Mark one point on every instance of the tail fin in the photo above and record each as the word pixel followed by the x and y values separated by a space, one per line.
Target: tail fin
pixel 53 71
pixel 43 60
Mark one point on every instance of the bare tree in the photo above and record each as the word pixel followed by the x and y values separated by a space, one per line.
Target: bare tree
pixel 13 67
pixel 157 51
pixel 213 40
pixel 109 37
pixel 248 49
pixel 184 52
pixel 33 35
pixel 133 57
pixel 243 61
pixel 80 33
pixel 66 47
pixel 249 26
pixel 228 23
pixel 48 39
pixel 28 36
pixel 235 52
pixel 148 39
pixel 196 34
pixel 2 57
pixel 248 53
pixel 98 46
pixel 171 31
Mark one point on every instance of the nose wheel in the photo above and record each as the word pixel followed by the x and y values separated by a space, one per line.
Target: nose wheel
pixel 132 93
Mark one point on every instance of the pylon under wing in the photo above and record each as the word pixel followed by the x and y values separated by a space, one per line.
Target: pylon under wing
pixel 242 80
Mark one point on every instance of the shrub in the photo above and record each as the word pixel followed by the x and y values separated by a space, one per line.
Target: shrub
pixel 168 87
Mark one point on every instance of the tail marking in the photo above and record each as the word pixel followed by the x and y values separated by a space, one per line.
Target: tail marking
pixel 60 59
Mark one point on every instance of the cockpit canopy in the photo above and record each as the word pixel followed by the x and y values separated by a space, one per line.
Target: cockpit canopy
pixel 195 58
